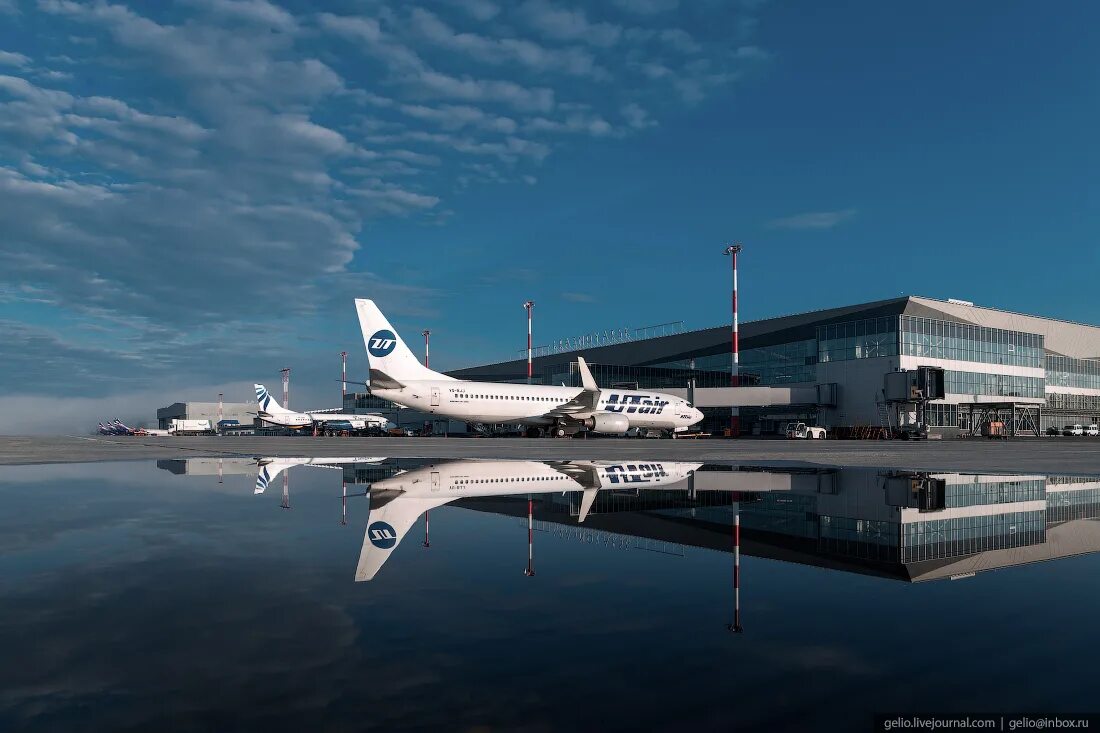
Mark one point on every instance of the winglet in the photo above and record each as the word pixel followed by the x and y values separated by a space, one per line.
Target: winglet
pixel 587 500
pixel 587 381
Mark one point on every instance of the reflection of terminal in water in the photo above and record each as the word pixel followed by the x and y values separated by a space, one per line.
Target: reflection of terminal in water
pixel 900 525
pixel 903 525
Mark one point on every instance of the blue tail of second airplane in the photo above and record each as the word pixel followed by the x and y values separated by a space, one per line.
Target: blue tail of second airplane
pixel 268 403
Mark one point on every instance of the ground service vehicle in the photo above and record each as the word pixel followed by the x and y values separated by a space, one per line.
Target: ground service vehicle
pixel 802 431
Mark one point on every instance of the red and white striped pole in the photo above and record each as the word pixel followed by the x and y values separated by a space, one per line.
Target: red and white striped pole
pixel 528 306
pixel 530 571
pixel 427 338
pixel 343 376
pixel 736 627
pixel 343 502
pixel 735 367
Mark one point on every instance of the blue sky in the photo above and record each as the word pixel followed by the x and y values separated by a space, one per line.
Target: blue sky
pixel 193 191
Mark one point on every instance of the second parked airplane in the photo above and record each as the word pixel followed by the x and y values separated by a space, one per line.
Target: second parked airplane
pixel 397 375
pixel 272 412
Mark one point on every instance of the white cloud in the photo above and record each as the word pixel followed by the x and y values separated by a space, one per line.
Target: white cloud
pixel 572 60
pixel 812 220
pixel 575 122
pixel 563 24
pixel 200 161
pixel 636 117
pixel 454 117
pixel 578 297
pixel 259 12
pixel 538 99
pixel 11 58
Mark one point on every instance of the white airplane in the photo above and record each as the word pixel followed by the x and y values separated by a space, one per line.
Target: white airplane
pixel 272 412
pixel 397 375
pixel 397 502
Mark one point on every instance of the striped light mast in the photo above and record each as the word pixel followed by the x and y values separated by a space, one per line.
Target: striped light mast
pixel 286 387
pixel 529 306
pixel 735 370
pixel 343 376
pixel 427 341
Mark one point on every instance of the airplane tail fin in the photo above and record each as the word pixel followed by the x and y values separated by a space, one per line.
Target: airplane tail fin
pixel 267 403
pixel 386 527
pixel 387 353
pixel 269 468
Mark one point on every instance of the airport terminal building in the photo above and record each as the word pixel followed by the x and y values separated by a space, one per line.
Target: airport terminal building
pixel 829 367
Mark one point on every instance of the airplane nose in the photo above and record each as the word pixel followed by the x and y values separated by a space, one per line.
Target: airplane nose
pixel 696 414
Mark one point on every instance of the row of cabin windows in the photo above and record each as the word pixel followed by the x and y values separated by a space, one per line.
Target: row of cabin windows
pixel 503 480
pixel 512 397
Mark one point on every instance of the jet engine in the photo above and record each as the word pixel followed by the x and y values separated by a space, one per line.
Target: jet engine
pixel 607 423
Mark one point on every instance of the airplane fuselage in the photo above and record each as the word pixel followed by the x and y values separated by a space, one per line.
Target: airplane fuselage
pixel 493 402
pixel 306 419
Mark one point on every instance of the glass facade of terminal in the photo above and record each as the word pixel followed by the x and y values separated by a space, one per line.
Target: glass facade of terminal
pixel 1062 371
pixel 935 339
pixel 979 493
pixel 941 538
pixel 993 385
pixel 865 339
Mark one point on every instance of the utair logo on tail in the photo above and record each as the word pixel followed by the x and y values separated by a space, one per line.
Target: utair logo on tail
pixel 382 343
pixel 382 535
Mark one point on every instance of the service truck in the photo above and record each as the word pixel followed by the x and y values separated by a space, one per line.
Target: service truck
pixel 190 427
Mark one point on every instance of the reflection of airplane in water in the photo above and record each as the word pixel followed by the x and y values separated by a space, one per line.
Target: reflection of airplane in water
pixel 397 502
pixel 893 524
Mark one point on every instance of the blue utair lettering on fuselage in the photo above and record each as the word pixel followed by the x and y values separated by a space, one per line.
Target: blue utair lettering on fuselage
pixel 637 403
pixel 641 473
pixel 382 535
pixel 382 343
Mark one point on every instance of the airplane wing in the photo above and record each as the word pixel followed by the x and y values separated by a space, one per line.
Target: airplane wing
pixel 387 525
pixel 586 401
pixel 589 480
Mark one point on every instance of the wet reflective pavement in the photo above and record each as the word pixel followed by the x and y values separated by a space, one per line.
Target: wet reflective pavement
pixel 372 593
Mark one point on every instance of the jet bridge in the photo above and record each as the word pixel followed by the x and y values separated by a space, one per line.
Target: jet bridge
pixel 823 395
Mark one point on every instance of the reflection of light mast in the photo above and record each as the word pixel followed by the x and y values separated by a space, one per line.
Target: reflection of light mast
pixel 286 489
pixel 220 470
pixel 736 625
pixel 530 571
pixel 427 543
pixel 343 502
